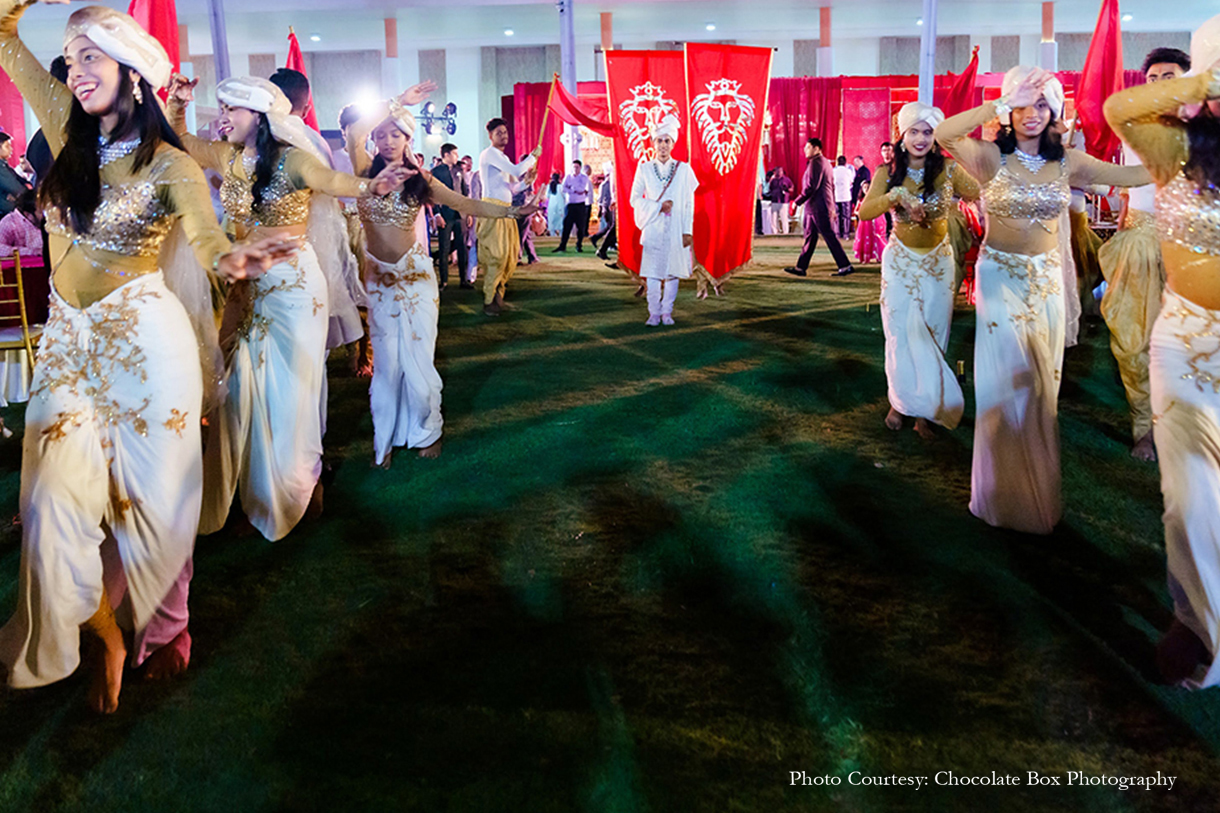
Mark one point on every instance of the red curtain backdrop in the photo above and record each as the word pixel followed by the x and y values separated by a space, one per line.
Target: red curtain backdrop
pixel 12 116
pixel 296 62
pixel 866 124
pixel 529 103
pixel 1101 77
pixel 802 108
pixel 642 87
pixel 727 90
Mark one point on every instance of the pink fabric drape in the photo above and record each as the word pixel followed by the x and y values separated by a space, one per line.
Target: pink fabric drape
pixel 801 108
pixel 866 123
pixel 12 116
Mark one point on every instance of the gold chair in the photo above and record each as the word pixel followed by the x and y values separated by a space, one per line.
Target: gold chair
pixel 20 336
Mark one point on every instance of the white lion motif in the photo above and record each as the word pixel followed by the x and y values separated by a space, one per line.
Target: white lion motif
pixel 639 114
pixel 723 116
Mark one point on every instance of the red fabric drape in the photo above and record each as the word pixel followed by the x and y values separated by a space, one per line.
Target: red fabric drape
pixel 727 85
pixel 296 62
pixel 591 112
pixel 529 104
pixel 866 123
pixel 159 18
pixel 1101 77
pixel 802 108
pixel 960 95
pixel 642 86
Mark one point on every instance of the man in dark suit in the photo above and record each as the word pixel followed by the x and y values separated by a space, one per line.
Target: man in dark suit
pixel 862 174
pixel 817 193
pixel 449 236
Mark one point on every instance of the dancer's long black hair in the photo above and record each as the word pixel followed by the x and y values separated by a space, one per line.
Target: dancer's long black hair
pixel 74 184
pixel 269 150
pixel 1050 143
pixel 415 189
pixel 1203 165
pixel 933 165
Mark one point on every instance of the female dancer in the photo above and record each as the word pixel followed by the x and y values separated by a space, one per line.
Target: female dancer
pixel 405 394
pixel 1174 125
pixel 1026 177
pixel 111 459
pixel 268 433
pixel 918 271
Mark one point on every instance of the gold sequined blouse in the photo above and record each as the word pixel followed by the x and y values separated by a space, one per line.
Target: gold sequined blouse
pixel 137 209
pixel 1010 196
pixel 953 182
pixel 1145 117
pixel 390 210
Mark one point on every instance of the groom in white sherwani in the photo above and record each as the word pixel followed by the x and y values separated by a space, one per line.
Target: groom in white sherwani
pixel 663 197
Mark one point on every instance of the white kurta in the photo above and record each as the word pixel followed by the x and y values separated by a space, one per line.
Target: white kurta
pixel 661 234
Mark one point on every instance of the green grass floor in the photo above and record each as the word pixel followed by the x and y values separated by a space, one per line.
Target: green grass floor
pixel 655 569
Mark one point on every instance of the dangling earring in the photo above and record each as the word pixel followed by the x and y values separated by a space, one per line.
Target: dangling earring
pixel 138 93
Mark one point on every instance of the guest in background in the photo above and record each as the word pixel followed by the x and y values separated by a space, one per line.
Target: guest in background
pixel 870 235
pixel 887 160
pixel 781 191
pixel 817 194
pixel 843 179
pixel 579 191
pixel 11 184
pixel 606 204
pixel 863 176
pixel 556 206
pixel 21 229
pixel 449 228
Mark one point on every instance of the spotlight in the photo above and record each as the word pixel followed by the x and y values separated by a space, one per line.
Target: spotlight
pixel 315 37
pixel 450 109
pixel 508 32
pixel 1127 18
pixel 711 26
pixel 429 108
pixel 919 21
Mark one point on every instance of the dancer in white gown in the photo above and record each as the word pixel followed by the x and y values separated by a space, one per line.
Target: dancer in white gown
pixel 1025 175
pixel 917 272
pixel 405 393
pixel 267 438
pixel 663 197
pixel 1174 126
pixel 110 479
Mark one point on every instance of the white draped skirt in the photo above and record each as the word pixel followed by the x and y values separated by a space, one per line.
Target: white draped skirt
pixel 916 312
pixel 1185 380
pixel 111 441
pixel 267 439
pixel 405 393
pixel 1018 360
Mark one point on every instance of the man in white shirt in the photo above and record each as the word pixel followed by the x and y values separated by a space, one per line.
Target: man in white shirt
pixel 499 239
pixel 578 190
pixel 843 178
pixel 663 197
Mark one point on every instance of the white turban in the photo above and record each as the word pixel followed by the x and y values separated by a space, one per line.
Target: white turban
pixel 914 112
pixel 262 96
pixel 122 39
pixel 1052 92
pixel 403 118
pixel 667 126
pixel 1205 47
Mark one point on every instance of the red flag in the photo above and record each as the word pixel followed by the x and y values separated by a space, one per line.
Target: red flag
pixel 574 110
pixel 159 18
pixel 727 89
pixel 1101 77
pixel 296 62
pixel 643 87
pixel 960 97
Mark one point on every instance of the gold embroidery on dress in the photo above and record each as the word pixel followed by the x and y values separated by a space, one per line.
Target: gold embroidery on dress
pixel 913 269
pixel 176 422
pixel 1040 283
pixel 400 286
pixel 57 430
pixel 1201 361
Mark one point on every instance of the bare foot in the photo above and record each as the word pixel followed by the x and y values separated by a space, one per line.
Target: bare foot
pixel 385 463
pixel 108 656
pixel 1144 449
pixel 924 429
pixel 431 452
pixel 314 509
pixel 643 289
pixel 893 420
pixel 364 369
pixel 170 660
pixel 1179 653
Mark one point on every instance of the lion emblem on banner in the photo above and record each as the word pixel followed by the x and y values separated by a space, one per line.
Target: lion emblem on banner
pixel 637 115
pixel 723 116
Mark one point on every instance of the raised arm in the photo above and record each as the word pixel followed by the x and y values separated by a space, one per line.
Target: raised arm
pixel 210 155
pixel 479 208
pixel 1087 171
pixel 358 136
pixel 980 159
pixel 48 98
pixel 1145 117
pixel 307 172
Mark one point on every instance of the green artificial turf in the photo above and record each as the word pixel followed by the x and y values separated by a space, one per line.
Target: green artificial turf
pixel 655 569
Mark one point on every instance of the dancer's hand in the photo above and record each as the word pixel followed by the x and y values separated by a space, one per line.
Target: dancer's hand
pixel 390 179
pixel 667 207
pixel 525 210
pixel 250 260
pixel 417 93
pixel 687 241
pixel 1030 89
pixel 181 90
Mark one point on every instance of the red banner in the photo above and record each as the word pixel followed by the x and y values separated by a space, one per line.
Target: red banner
pixel 1102 77
pixel 643 87
pixel 296 62
pixel 159 18
pixel 727 89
